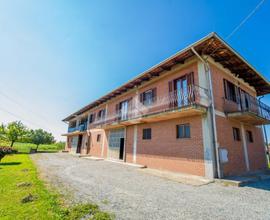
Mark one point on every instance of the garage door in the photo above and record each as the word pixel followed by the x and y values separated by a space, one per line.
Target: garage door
pixel 114 142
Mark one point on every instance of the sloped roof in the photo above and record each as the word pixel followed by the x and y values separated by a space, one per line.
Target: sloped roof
pixel 211 45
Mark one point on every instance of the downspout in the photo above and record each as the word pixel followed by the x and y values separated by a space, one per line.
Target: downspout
pixel 212 111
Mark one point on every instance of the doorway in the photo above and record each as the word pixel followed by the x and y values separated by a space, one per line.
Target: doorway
pixel 79 146
pixel 181 88
pixel 121 151
pixel 116 149
pixel 88 145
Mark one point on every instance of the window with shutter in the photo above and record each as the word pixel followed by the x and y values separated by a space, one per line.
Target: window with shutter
pixel 101 114
pixel 123 110
pixel 230 91
pixel 148 97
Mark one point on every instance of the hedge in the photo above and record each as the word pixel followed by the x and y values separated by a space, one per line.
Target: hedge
pixel 6 150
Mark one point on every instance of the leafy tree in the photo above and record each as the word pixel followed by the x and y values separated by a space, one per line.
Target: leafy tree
pixel 13 131
pixel 2 132
pixel 40 136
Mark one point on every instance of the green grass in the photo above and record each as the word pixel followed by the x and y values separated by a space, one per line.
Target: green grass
pixel 25 147
pixel 16 169
pixel 19 179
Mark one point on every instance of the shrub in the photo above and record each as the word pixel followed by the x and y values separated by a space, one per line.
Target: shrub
pixel 6 150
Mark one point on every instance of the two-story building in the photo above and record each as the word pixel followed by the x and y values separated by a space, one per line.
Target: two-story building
pixel 196 112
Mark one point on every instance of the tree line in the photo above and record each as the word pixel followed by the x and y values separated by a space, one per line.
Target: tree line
pixel 17 132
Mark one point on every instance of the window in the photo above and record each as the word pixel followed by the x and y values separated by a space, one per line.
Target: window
pixel 147 134
pixel 98 137
pixel 236 134
pixel 230 91
pixel 148 97
pixel 249 137
pixel 83 120
pixel 183 131
pixel 101 114
pixel 124 110
pixel 91 118
pixel 72 124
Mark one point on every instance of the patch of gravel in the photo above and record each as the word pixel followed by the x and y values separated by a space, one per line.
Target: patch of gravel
pixel 131 194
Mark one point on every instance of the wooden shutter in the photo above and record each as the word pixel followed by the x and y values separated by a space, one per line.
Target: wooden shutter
pixel 225 88
pixel 130 107
pixel 237 94
pixel 171 95
pixel 141 97
pixel 117 106
pixel 190 79
pixel 154 94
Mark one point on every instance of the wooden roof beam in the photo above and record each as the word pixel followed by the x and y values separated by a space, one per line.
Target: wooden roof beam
pixel 166 68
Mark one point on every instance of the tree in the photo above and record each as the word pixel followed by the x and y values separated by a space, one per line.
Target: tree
pixel 13 131
pixel 40 136
pixel 2 132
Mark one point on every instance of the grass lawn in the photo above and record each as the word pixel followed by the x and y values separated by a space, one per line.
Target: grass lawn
pixel 18 169
pixel 19 181
pixel 25 147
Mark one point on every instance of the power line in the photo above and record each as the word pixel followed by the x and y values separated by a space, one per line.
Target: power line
pixel 18 117
pixel 29 110
pixel 23 106
pixel 241 24
pixel 22 118
pixel 245 19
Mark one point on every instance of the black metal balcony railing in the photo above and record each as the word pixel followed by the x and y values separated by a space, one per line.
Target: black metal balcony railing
pixel 192 95
pixel 80 127
pixel 250 104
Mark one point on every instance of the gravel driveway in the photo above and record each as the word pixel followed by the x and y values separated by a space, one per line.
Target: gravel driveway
pixel 132 194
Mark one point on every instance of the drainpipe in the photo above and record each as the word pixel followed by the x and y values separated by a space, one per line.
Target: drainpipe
pixel 265 137
pixel 212 111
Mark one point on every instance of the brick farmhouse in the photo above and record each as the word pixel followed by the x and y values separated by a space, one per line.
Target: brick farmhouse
pixel 197 112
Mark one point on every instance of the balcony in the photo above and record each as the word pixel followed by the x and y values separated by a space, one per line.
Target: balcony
pixel 248 110
pixel 80 128
pixel 194 100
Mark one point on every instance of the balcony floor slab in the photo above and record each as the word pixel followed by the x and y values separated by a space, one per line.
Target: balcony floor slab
pixel 248 118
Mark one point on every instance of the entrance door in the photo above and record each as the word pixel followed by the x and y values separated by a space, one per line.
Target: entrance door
pixel 121 151
pixel 181 88
pixel 124 110
pixel 79 144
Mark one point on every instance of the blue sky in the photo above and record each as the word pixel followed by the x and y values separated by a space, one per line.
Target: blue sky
pixel 57 56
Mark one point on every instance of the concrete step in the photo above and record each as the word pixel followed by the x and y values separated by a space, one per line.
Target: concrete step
pixel 179 177
pixel 92 158
pixel 245 179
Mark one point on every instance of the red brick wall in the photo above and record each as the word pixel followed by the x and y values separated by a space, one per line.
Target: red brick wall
pixel 95 146
pixel 256 150
pixel 165 151
pixel 236 164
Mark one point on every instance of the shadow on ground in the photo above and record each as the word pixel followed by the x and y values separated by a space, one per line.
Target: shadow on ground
pixel 264 185
pixel 44 151
pixel 10 163
pixel 41 151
